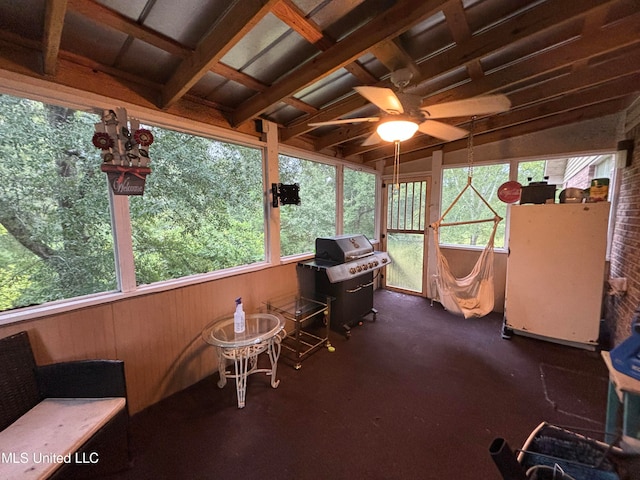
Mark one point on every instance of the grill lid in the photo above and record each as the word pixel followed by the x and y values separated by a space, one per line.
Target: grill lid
pixel 343 248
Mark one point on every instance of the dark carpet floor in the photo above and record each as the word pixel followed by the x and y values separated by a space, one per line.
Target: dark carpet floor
pixel 417 394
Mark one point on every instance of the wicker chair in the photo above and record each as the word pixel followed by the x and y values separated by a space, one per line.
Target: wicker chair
pixel 23 385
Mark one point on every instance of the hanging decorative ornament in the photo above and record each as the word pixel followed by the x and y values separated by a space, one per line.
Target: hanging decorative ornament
pixel 143 137
pixel 109 117
pixel 102 140
pixel 509 192
pixel 124 161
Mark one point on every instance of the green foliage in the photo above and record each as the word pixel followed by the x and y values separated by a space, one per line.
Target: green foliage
pixel 531 170
pixel 406 270
pixel 359 202
pixel 56 239
pixel 203 208
pixel 487 180
pixel 316 214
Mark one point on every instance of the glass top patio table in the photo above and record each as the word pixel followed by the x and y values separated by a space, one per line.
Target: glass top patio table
pixel 259 328
pixel 262 334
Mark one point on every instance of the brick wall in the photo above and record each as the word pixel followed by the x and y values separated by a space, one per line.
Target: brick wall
pixel 582 179
pixel 625 252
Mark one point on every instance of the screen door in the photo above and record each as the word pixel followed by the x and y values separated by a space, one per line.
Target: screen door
pixel 406 238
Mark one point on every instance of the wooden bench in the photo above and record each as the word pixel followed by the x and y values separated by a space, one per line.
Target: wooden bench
pixel 64 420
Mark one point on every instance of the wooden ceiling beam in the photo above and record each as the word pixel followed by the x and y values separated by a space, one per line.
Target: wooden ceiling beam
pixel 353 102
pixel 457 22
pixel 341 135
pixel 615 89
pixel 459 27
pixel 624 33
pixel 547 15
pixel 236 22
pixel 290 14
pixel 599 110
pixel 55 12
pixel 618 69
pixel 533 22
pixel 101 15
pixel 248 81
pixel 577 80
pixel 397 19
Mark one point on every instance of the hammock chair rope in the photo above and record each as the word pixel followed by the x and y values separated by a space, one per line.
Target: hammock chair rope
pixel 471 295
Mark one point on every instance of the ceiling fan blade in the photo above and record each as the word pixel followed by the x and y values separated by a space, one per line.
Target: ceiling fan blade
pixel 344 120
pixel 468 107
pixel 442 131
pixel 372 139
pixel 381 97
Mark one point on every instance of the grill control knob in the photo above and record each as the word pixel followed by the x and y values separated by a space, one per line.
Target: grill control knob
pixel 352 270
pixel 365 267
pixel 384 259
pixel 375 263
pixel 359 268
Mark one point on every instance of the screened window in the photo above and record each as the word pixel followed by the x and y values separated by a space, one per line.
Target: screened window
pixel 531 171
pixel 300 225
pixel 487 180
pixel 605 167
pixel 359 202
pixel 202 208
pixel 55 225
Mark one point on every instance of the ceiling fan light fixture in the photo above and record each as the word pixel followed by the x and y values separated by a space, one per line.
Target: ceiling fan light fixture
pixel 397 130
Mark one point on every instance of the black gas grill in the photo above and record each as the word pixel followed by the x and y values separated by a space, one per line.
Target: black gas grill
pixel 343 268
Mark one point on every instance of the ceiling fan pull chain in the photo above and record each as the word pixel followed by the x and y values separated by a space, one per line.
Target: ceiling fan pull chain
pixel 396 165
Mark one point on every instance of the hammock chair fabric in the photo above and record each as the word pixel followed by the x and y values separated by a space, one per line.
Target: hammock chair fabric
pixel 472 295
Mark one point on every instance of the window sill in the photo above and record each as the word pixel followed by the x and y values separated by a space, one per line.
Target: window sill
pixel 472 248
pixel 62 306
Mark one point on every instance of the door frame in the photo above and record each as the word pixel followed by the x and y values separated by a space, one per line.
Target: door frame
pixel 387 183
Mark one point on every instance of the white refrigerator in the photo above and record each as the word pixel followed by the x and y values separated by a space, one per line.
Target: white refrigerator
pixel 556 272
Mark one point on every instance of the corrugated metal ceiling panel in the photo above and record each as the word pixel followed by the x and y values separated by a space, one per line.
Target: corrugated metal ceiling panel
pixel 83 37
pixel 132 9
pixel 186 21
pixel 148 62
pixel 270 50
pixel 25 18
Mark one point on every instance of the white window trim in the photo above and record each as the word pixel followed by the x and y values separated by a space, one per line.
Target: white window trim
pixel 40 90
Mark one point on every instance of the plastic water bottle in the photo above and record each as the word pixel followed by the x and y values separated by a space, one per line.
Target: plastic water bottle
pixel 238 317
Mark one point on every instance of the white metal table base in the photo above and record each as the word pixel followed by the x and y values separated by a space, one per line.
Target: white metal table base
pixel 246 363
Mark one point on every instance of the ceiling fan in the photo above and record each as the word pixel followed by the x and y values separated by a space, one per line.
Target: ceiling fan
pixel 404 115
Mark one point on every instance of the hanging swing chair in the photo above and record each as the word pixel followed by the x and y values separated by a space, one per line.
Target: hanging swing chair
pixel 473 294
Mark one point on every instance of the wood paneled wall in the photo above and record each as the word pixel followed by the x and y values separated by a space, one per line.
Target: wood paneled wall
pixel 157 335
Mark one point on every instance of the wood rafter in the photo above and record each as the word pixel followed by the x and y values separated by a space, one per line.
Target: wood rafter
pixel 237 21
pixel 615 89
pixel 53 24
pixel 470 52
pixel 582 49
pixel 292 16
pixel 397 19
pixel 557 61
pixel 480 138
pixel 102 15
